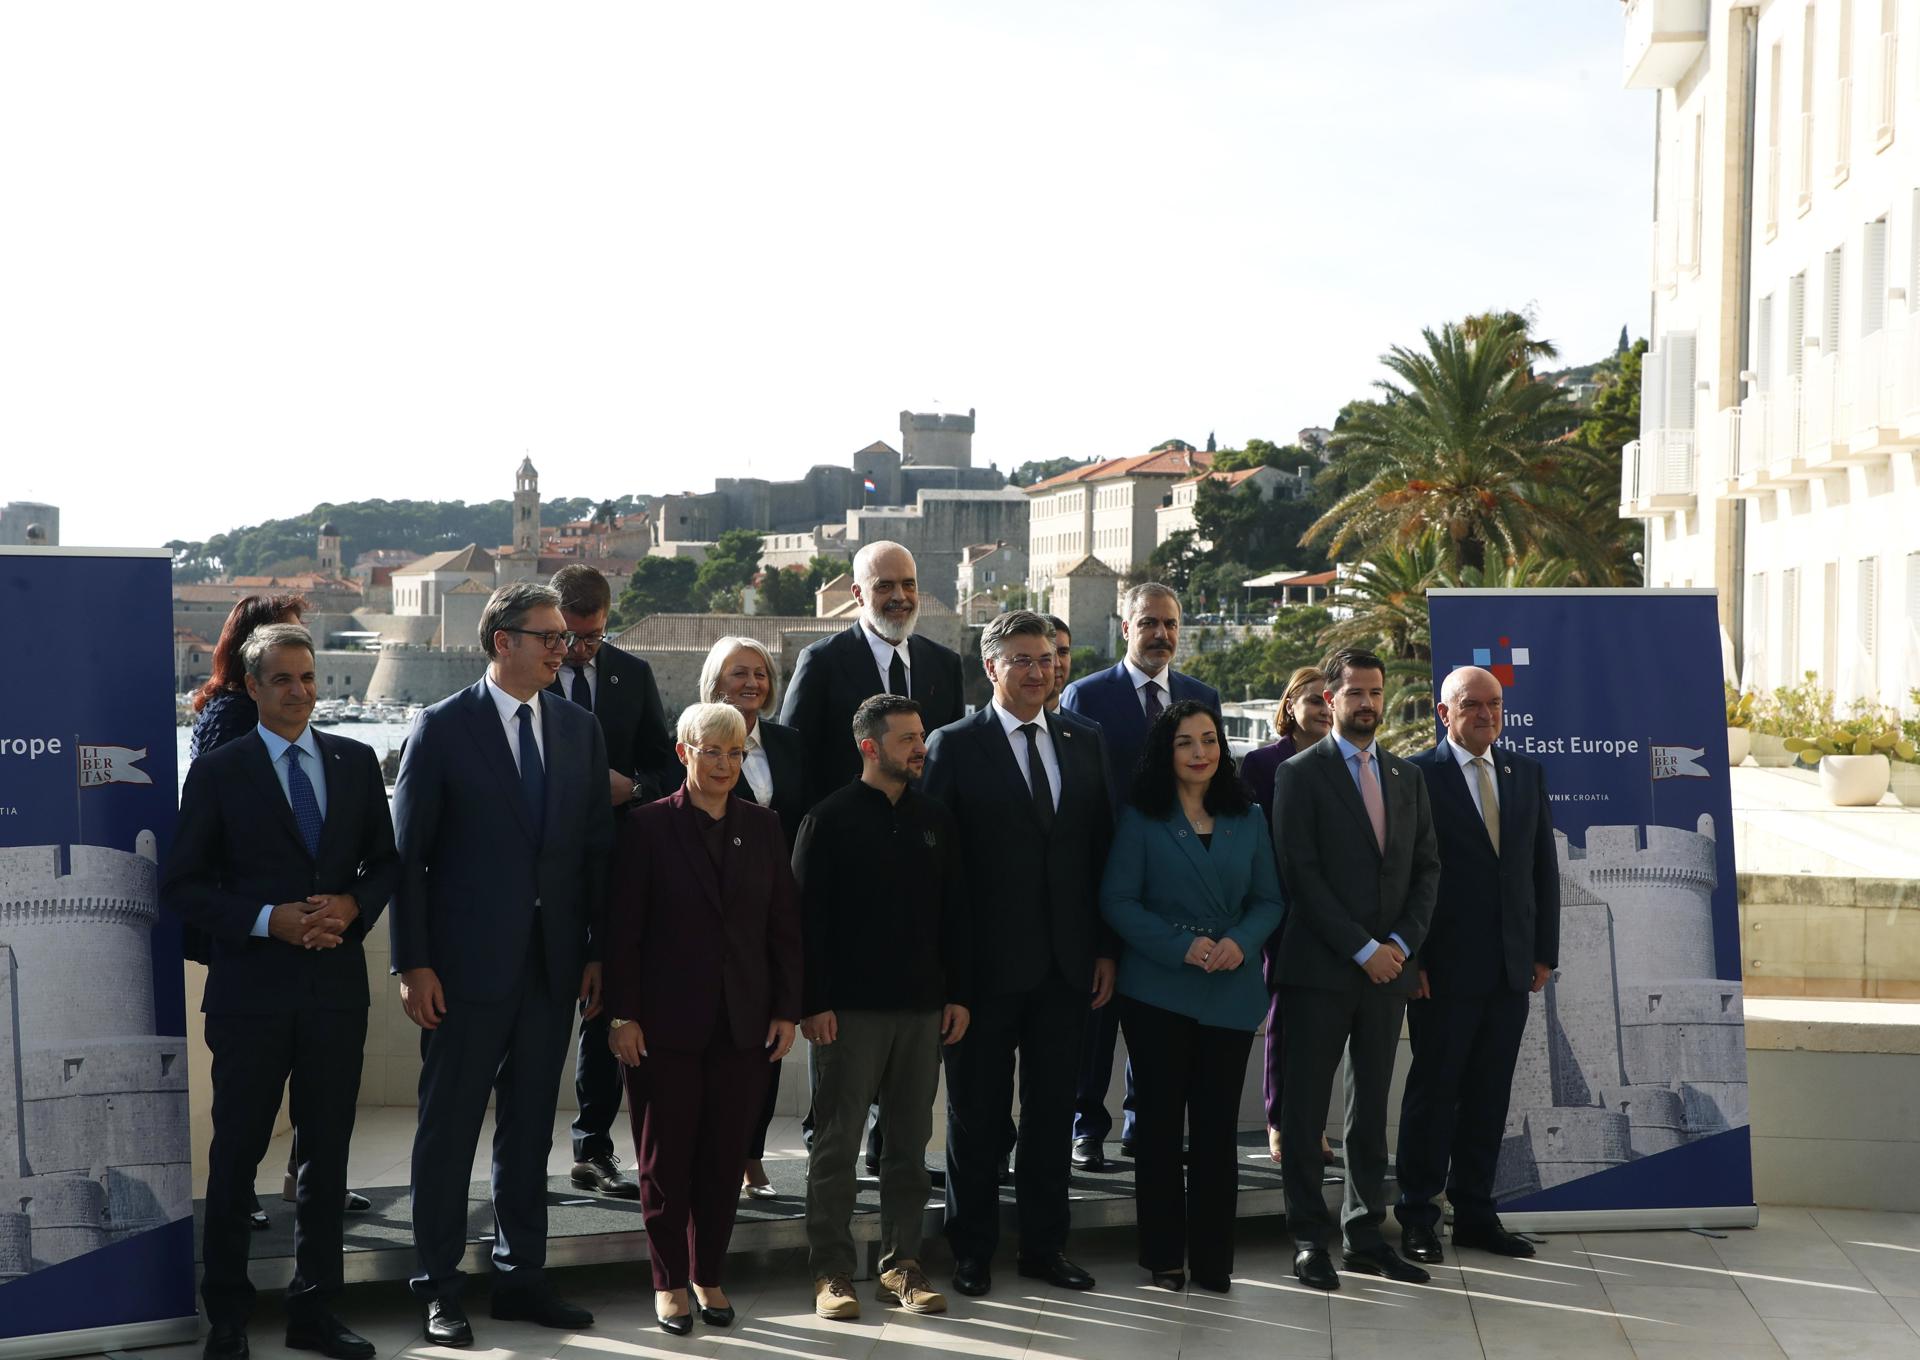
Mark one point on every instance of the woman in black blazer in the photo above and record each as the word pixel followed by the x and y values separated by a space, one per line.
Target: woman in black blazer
pixel 741 673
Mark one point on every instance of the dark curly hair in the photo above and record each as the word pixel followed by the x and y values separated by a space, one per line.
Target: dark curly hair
pixel 1155 790
pixel 252 611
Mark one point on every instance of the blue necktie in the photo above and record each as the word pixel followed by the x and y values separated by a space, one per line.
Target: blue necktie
pixel 306 808
pixel 533 777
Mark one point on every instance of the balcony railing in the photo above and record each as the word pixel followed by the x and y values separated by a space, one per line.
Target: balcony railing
pixel 1886 69
pixel 1843 129
pixel 1877 396
pixel 1724 464
pixel 1658 473
pixel 1664 38
pixel 1756 436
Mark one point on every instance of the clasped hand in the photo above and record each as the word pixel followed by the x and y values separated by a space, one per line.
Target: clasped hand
pixel 1214 956
pixel 318 922
pixel 1385 963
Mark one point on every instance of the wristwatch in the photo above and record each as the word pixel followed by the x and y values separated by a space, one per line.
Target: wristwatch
pixel 615 1024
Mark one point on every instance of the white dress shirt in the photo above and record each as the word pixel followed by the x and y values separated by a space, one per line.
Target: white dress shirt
pixel 758 773
pixel 1049 758
pixel 510 720
pixel 1466 759
pixel 883 654
pixel 1141 680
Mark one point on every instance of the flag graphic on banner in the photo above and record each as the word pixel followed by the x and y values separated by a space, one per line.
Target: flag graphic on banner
pixel 1679 762
pixel 112 765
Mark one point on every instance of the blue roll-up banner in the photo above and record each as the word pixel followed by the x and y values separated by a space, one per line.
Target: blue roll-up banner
pixel 1630 1098
pixel 96 1162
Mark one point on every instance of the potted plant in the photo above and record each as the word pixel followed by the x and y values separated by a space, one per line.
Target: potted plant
pixel 1905 781
pixel 1855 759
pixel 1790 711
pixel 1739 725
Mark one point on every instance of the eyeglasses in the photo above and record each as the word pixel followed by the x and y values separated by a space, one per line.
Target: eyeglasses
pixel 733 757
pixel 1020 664
pixel 588 639
pixel 553 642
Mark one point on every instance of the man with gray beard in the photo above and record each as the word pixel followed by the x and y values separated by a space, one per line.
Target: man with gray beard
pixel 879 654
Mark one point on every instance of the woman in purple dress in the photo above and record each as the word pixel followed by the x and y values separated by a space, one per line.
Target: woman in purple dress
pixel 1303 719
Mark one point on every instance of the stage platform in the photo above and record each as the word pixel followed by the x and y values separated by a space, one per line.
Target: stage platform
pixel 584 1229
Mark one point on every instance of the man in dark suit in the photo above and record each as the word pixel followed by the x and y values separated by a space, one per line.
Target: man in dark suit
pixel 1495 939
pixel 1124 700
pixel 879 654
pixel 501 813
pixel 618 688
pixel 284 857
pixel 1028 794
pixel 1360 867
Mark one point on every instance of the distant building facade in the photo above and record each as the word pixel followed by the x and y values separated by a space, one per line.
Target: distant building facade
pixel 1176 514
pixel 1106 510
pixel 29 524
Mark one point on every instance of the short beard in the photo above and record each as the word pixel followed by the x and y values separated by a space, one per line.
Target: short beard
pixel 899 770
pixel 888 629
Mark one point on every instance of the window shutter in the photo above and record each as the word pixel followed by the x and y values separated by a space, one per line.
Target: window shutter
pixel 1763 344
pixel 1869 612
pixel 1653 391
pixel 1873 278
pixel 1680 370
pixel 1790 621
pixel 1830 302
pixel 1756 676
pixel 1913 598
pixel 1796 325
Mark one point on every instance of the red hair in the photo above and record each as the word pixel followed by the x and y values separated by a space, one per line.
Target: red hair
pixel 253 611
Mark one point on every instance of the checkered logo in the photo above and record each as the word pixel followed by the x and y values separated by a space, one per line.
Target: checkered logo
pixel 1503 671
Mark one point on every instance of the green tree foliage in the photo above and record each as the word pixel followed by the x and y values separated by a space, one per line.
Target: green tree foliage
pixel 1214 587
pixel 1040 469
pixel 1262 453
pixel 786 592
pixel 1258 667
pixel 1459 443
pixel 732 562
pixel 1243 524
pixel 659 585
pixel 1173 562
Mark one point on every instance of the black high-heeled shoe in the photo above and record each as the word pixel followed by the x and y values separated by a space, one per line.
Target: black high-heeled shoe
pixel 716 1317
pixel 1171 1280
pixel 680 1324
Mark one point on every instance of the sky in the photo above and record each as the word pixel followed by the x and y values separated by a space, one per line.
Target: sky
pixel 260 257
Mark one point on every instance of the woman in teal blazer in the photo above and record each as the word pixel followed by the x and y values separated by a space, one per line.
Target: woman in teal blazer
pixel 1192 892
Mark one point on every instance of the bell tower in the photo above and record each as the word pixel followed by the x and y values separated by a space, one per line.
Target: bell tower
pixel 526 509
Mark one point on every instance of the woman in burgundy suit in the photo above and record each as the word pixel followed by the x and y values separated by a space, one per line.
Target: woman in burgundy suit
pixel 702 985
pixel 1302 720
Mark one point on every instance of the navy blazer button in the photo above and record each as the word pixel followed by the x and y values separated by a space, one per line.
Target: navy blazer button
pixel 536 901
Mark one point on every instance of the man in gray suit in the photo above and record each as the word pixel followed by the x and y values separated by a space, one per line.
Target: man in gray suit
pixel 501 816
pixel 1361 868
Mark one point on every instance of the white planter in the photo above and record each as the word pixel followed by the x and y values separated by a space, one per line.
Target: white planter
pixel 1905 783
pixel 1854 781
pixel 1739 742
pixel 1769 749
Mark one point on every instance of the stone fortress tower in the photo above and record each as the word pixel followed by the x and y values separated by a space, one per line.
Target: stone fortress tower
pixel 94 1142
pixel 1634 1047
pixel 526 509
pixel 943 440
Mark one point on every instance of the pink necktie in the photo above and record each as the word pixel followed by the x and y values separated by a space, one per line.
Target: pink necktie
pixel 1370 795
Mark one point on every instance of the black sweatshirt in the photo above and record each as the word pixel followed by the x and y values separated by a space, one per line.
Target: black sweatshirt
pixel 882 904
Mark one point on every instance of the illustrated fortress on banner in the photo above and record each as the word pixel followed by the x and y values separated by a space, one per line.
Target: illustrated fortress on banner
pixel 1636 1046
pixel 94 1146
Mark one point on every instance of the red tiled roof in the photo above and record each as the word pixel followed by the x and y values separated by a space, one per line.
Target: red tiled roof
pixel 1228 478
pixel 1164 463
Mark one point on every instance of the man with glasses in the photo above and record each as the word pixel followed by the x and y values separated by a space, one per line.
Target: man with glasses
pixel 504 836
pixel 1062 660
pixel 1028 794
pixel 619 689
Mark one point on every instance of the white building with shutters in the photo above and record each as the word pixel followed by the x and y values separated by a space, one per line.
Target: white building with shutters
pixel 1779 458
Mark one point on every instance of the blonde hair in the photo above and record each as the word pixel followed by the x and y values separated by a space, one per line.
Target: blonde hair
pixel 717 660
pixel 700 723
pixel 1303 681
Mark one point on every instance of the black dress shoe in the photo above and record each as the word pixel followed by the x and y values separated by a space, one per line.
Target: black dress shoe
pixel 1384 1260
pixel 1314 1268
pixel 1126 1148
pixel 680 1324
pixel 715 1317
pixel 447 1323
pixel 1058 1271
pixel 325 1333
pixel 1495 1239
pixel 972 1277
pixel 357 1203
pixel 1220 1284
pixel 227 1341
pixel 257 1219
pixel 540 1306
pixel 1088 1155
pixel 1418 1242
pixel 1171 1280
pixel 603 1175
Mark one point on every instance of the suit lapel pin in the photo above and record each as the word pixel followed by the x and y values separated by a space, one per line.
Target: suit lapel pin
pixel 736 840
pixel 1506 769
pixel 613 679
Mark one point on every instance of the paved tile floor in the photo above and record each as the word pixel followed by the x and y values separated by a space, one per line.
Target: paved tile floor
pixel 1806 1283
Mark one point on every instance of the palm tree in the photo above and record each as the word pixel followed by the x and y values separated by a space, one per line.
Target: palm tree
pixel 1529 349
pixel 1461 443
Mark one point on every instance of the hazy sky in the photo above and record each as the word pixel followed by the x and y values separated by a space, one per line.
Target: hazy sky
pixel 260 256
